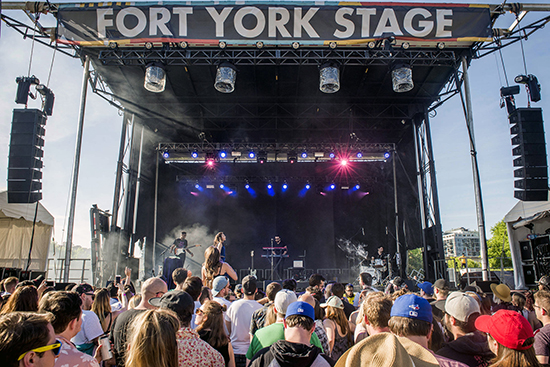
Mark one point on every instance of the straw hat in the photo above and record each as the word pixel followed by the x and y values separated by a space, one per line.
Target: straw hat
pixel 501 291
pixel 385 349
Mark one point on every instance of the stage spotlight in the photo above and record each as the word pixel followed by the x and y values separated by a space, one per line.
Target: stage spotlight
pixel 262 157
pixel 359 155
pixel 195 155
pixel 295 45
pixel 183 44
pixel 304 155
pixel 441 45
pixel 332 45
pixel 247 186
pixel 332 155
pixel 226 74
pixel 155 78
pixel 401 77
pixel 405 45
pixel 197 186
pixel 344 162
pixel 166 154
pixel 371 44
pixel 329 78
pixel 387 155
pixel 292 157
pixel 223 154
pixel 269 186
pixel 113 45
pixel 222 186
pixel 332 186
pixel 251 155
pixel 148 45
pixel 259 44
pixel 357 187
pixel 210 162
pixel 285 186
pixel 308 186
pixel 222 44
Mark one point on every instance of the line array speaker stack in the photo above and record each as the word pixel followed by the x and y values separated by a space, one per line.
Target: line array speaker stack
pixel 25 157
pixel 530 149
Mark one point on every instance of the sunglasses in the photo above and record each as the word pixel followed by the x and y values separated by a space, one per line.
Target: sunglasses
pixel 199 311
pixel 55 348
pixel 90 294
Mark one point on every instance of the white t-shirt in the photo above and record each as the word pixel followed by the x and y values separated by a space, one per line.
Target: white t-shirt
pixel 222 301
pixel 197 305
pixel 240 314
pixel 91 328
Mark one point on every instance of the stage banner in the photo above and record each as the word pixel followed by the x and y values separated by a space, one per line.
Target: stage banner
pixel 281 23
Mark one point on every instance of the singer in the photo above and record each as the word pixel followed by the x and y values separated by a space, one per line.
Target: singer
pixel 279 243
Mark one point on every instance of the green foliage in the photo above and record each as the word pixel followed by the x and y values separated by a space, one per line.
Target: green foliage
pixel 77 252
pixel 415 260
pixel 471 263
pixel 495 246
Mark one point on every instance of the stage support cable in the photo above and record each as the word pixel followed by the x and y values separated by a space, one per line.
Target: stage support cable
pixel 156 211
pixel 397 243
pixel 76 167
pixel 475 170
pixel 120 164
pixel 136 199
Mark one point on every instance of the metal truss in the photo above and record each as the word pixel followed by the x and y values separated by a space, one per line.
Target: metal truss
pixel 234 180
pixel 276 56
pixel 276 147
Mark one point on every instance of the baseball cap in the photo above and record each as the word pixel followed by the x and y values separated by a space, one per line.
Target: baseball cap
pixel 177 301
pixel 544 280
pixel 413 307
pixel 507 327
pixel 427 287
pixel 460 306
pixel 300 308
pixel 333 301
pixel 442 284
pixel 249 285
pixel 218 284
pixel 502 292
pixel 283 298
pixel 83 288
pixel 397 281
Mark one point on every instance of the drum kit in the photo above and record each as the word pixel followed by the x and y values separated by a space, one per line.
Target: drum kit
pixel 376 269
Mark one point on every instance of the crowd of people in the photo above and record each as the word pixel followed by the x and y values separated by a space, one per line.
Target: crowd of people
pixel 205 322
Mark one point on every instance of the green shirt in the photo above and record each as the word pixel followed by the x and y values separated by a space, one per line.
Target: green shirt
pixel 268 335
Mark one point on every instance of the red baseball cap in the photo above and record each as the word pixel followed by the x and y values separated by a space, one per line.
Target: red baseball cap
pixel 509 328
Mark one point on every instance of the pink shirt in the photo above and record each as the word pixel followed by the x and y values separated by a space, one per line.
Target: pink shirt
pixel 195 352
pixel 69 356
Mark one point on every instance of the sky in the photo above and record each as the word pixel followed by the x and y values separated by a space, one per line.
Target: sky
pixel 102 126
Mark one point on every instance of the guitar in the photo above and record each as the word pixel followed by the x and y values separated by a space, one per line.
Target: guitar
pixel 252 271
pixel 178 251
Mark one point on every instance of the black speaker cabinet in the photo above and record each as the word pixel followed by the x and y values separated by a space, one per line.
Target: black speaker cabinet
pixel 526 250
pixel 530 275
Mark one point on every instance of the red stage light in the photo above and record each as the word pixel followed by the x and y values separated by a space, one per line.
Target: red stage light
pixel 344 162
pixel 210 163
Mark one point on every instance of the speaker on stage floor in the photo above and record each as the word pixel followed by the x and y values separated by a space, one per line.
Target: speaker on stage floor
pixel 530 275
pixel 526 250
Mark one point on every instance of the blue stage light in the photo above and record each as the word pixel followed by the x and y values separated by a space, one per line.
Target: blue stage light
pixel 197 186
pixel 195 155
pixel 222 186
pixel 285 186
pixel 166 154
pixel 304 155
pixel 308 186
pixel 332 155
pixel 269 186
pixel 332 186
pixel 247 186
pixel 387 155
pixel 357 187
pixel 251 155
pixel 359 155
pixel 223 154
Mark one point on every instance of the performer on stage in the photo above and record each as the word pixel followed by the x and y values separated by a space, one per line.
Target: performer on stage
pixel 380 264
pixel 219 244
pixel 179 247
pixel 281 261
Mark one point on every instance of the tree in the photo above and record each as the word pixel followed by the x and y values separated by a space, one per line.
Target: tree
pixel 415 260
pixel 495 246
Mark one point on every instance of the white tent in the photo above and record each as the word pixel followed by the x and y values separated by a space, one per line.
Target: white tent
pixel 16 226
pixel 524 213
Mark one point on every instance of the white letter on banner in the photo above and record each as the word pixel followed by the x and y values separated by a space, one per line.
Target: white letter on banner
pixel 365 23
pixel 300 22
pixel 219 19
pixel 425 26
pixel 442 22
pixel 103 23
pixel 278 24
pixel 260 22
pixel 155 22
pixel 344 22
pixel 140 27
pixel 382 27
pixel 182 12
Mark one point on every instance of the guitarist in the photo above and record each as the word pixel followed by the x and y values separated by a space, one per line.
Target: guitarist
pixel 179 247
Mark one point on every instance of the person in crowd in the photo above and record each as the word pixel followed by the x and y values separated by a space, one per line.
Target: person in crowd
pixel 441 291
pixel 134 301
pixel 327 293
pixel 214 266
pixel 178 277
pixel 336 324
pixel 206 295
pixel 542 337
pixel 395 285
pixel 426 291
pixel 151 288
pixel 349 293
pixel 86 339
pixel 152 340
pixel 317 284
pixel 102 309
pixel 258 317
pixel 469 345
pixel 502 298
pixel 411 318
pixel 338 290
pixel 27 340
pixel 220 289
pixel 320 330
pixel 219 243
pixel 289 284
pixel 510 337
pixel 543 283
pixel 365 282
pixel 9 285
pixel 211 329
pixel 238 291
pixel 529 311
pixel 519 301
pixel 66 321
pixel 260 296
pixel 268 335
pixel 376 309
pixel 192 351
pixel 295 350
pixel 22 299
pixel 238 319
pixel 193 287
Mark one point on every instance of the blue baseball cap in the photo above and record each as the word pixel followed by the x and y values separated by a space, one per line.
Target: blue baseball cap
pixel 413 307
pixel 427 287
pixel 300 308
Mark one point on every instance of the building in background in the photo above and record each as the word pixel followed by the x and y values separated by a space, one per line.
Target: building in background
pixel 461 241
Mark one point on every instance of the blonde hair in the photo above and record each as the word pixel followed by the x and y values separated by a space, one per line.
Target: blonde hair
pixel 377 308
pixel 339 317
pixel 101 306
pixel 152 340
pixel 134 301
